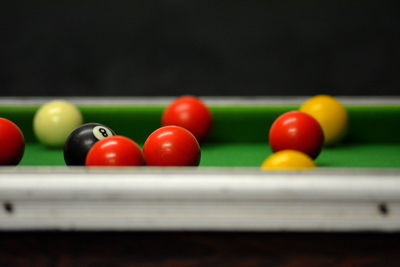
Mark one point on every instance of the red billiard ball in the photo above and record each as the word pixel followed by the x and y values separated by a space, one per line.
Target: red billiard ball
pixel 190 113
pixel 171 146
pixel 115 151
pixel 12 143
pixel 296 130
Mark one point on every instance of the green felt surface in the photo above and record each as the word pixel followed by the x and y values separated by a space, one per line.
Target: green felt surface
pixel 367 124
pixel 252 154
pixel 239 135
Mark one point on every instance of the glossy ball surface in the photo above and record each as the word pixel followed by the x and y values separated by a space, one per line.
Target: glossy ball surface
pixel 81 140
pixel 171 146
pixel 12 143
pixel 190 113
pixel 115 151
pixel 54 121
pixel 288 160
pixel 296 130
pixel 331 115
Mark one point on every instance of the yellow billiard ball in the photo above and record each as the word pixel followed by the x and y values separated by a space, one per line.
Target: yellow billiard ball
pixel 54 121
pixel 331 115
pixel 288 160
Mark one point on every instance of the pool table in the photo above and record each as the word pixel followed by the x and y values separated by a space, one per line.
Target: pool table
pixel 356 186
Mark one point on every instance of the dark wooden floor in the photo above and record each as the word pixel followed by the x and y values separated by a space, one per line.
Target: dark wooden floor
pixel 122 249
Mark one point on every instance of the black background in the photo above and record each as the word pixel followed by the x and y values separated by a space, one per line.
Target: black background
pixel 177 47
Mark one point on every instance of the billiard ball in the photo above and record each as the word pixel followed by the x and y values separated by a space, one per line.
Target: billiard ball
pixel 331 115
pixel 115 151
pixel 12 143
pixel 54 121
pixel 296 130
pixel 82 139
pixel 190 113
pixel 288 160
pixel 171 146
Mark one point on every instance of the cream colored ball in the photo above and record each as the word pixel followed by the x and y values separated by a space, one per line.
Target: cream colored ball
pixel 54 121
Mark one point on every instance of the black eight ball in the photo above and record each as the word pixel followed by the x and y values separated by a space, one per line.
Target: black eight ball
pixel 81 140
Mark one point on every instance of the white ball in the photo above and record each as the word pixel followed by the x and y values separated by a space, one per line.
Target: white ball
pixel 54 121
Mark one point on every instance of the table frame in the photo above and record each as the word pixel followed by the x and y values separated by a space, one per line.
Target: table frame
pixel 51 198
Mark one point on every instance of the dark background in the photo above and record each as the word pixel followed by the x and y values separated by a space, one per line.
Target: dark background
pixel 198 249
pixel 179 47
